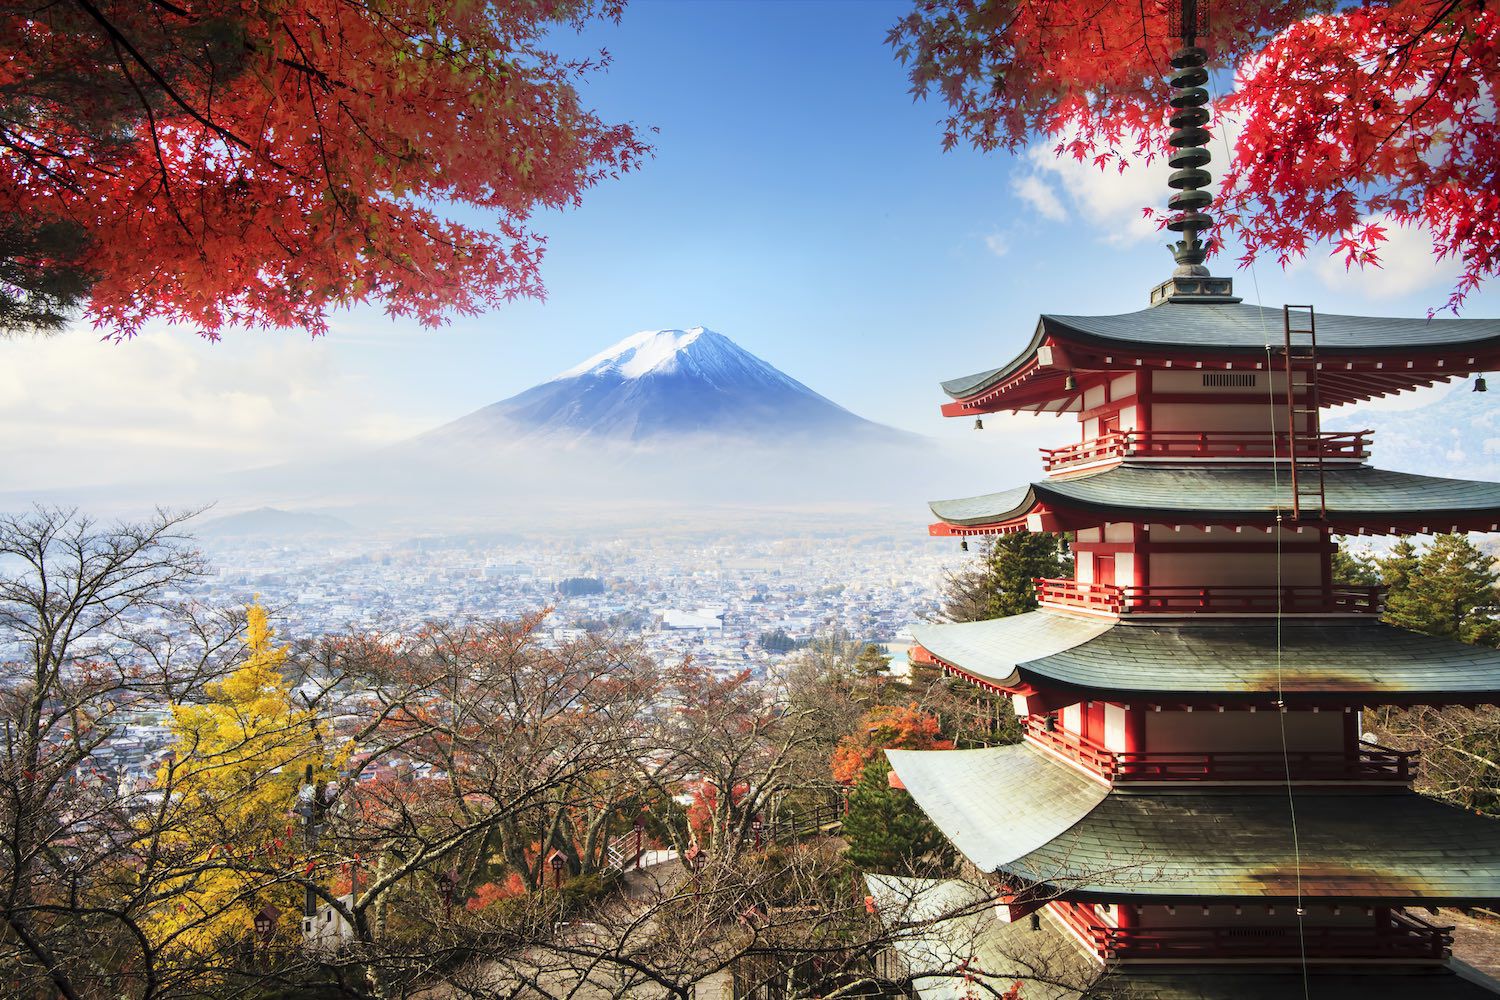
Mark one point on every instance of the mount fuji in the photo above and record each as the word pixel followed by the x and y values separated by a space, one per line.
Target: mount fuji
pixel 660 386
pixel 680 427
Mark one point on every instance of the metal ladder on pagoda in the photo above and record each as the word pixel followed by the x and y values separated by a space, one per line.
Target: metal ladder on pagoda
pixel 1305 451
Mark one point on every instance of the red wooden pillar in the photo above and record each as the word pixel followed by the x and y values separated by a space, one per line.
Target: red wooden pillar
pixel 1141 565
pixel 1143 401
pixel 1093 722
pixel 1135 730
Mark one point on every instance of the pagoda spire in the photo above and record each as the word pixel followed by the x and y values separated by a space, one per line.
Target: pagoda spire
pixel 1189 140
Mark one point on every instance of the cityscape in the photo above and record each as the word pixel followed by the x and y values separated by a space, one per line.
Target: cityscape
pixel 1066 569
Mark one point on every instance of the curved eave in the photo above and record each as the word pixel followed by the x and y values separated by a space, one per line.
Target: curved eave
pixel 1317 662
pixel 998 804
pixel 1015 811
pixel 1360 500
pixel 1362 357
pixel 1395 847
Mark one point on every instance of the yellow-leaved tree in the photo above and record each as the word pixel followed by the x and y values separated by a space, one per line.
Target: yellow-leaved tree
pixel 239 760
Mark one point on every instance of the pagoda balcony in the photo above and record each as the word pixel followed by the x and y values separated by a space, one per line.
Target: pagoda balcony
pixel 1394 935
pixel 1264 445
pixel 1368 763
pixel 1221 599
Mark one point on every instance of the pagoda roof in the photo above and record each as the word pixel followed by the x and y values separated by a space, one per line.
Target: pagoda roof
pixel 1182 659
pixel 1356 495
pixel 947 924
pixel 1165 846
pixel 1200 331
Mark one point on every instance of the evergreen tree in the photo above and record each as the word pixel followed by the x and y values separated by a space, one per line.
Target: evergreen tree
pixel 1447 589
pixel 1355 567
pixel 999 582
pixel 1397 567
pixel 887 832
pixel 871 662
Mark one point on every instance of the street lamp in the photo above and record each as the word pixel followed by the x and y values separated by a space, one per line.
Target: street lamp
pixel 557 862
pixel 265 925
pixel 756 826
pixel 445 881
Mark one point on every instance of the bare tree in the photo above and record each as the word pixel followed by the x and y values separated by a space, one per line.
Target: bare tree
pixel 93 629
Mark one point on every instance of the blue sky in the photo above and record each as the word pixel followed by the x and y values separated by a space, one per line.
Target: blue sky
pixel 799 203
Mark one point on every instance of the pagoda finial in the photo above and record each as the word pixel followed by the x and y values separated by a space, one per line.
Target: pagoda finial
pixel 1189 141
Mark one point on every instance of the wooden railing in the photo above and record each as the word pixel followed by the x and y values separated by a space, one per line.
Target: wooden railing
pixel 1212 599
pixel 1400 935
pixel 1368 763
pixel 1207 444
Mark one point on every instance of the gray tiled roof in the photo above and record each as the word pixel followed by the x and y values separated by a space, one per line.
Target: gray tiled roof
pixel 1396 846
pixel 1390 845
pixel 1319 657
pixel 1253 491
pixel 1229 328
pixel 997 804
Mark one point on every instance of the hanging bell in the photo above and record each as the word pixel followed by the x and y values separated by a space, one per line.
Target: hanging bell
pixel 979 423
pixel 1479 385
pixel 1070 383
pixel 963 546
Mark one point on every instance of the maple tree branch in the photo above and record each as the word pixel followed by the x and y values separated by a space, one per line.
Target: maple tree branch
pixel 161 81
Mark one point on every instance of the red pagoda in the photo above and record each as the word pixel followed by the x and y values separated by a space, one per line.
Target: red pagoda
pixel 1194 811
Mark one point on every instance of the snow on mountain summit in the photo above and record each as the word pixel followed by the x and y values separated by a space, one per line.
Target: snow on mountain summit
pixel 698 351
pixel 666 383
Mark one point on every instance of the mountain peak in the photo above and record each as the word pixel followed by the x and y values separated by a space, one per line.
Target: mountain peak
pixel 659 351
pixel 667 384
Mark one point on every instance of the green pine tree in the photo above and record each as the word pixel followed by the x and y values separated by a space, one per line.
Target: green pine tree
pixel 999 583
pixel 1355 567
pixel 1447 589
pixel 887 832
pixel 1397 567
pixel 871 662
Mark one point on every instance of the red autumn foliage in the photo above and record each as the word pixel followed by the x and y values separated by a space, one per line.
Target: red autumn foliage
pixel 260 162
pixel 1354 116
pixel 490 893
pixel 886 727
pixel 705 799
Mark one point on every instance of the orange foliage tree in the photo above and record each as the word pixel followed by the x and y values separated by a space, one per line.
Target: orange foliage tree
pixel 259 162
pixel 886 727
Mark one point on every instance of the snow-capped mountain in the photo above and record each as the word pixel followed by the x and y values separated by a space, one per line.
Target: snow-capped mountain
pixel 667 384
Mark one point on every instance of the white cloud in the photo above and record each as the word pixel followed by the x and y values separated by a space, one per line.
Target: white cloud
pixel 1036 192
pixel 998 244
pixel 1110 201
pixel 75 410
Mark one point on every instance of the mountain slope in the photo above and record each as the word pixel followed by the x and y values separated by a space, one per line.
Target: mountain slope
pixel 666 384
